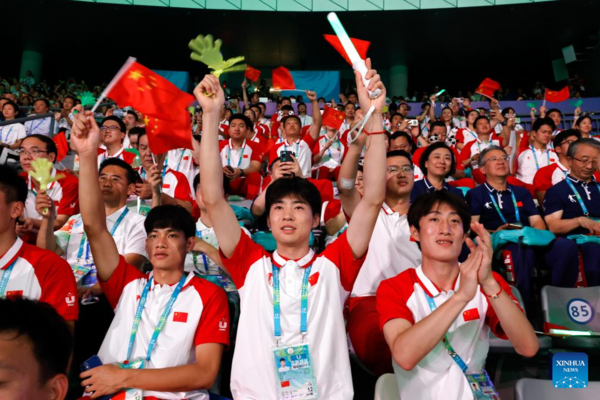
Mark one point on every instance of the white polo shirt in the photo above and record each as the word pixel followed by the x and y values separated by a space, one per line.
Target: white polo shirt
pixel 527 166
pixel 64 192
pixel 40 275
pixel 9 134
pixel 40 126
pixel 239 158
pixel 130 236
pixel 437 376
pixel 126 156
pixel 200 315
pixel 302 149
pixel 181 160
pixel 391 251
pixel 332 276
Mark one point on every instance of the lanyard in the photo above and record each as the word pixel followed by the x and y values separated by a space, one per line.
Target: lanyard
pixel 5 277
pixel 337 142
pixel 277 305
pixel 537 166
pixel 161 322
pixel 37 126
pixel 297 154
pixel 500 212
pixel 451 352
pixel 84 241
pixel 5 140
pixel 195 254
pixel 229 147
pixel 579 199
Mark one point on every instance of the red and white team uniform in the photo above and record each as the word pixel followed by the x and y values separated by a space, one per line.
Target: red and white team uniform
pixel 239 158
pixel 64 192
pixel 126 156
pixel 181 160
pixel 302 149
pixel 199 315
pixel 38 274
pixel 531 160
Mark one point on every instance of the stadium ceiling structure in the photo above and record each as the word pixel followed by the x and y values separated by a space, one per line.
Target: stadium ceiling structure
pixel 316 5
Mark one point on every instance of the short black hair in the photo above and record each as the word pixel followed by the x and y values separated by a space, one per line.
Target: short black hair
pixel 284 119
pixel 70 97
pixel 479 119
pixel 553 110
pixel 13 104
pixel 441 124
pixel 287 107
pixel 225 183
pixel 118 120
pixel 430 149
pixel 247 122
pixel 44 100
pixel 563 135
pixel 49 334
pixel 50 145
pixel 426 202
pixel 129 173
pixel 295 187
pixel 399 153
pixel 131 112
pixel 12 185
pixel 403 134
pixel 583 118
pixel 136 131
pixel 396 114
pixel 538 123
pixel 173 217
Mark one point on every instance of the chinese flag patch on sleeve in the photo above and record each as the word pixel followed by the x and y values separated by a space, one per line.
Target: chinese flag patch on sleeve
pixel 471 315
pixel 180 316
pixel 285 384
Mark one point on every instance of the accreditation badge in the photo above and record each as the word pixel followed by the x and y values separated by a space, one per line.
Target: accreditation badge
pixel 482 387
pixel 295 375
pixel 131 394
pixel 80 270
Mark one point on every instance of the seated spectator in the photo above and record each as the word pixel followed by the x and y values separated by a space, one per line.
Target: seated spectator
pixel 437 163
pixel 11 135
pixel 499 206
pixel 28 271
pixel 113 130
pixel 257 132
pixel 584 125
pixel 328 154
pixel 444 308
pixel 467 134
pixel 572 207
pixel 181 160
pixel 401 140
pixel 437 133
pixel 554 114
pixel 539 153
pixel 134 136
pixel 305 119
pixel 63 191
pixel 63 118
pixel 35 351
pixel 241 158
pixel 183 362
pixel 550 175
pixel 40 126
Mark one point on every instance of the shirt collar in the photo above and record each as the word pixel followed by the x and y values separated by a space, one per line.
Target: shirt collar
pixel 429 186
pixel 561 167
pixel 186 283
pixel 430 288
pixel 492 190
pixel 304 262
pixel 116 155
pixel 577 181
pixel 11 255
pixel 387 209
pixel 115 215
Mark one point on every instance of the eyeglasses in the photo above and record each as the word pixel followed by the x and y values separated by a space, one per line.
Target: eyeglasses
pixel 111 128
pixel 32 152
pixel 567 142
pixel 586 162
pixel 394 169
pixel 497 159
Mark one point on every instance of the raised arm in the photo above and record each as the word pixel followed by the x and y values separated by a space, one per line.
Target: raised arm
pixel 366 212
pixel 349 195
pixel 222 216
pixel 315 128
pixel 45 238
pixel 85 138
pixel 245 95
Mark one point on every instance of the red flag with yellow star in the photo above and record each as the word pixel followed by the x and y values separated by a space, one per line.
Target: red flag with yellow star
pixel 332 117
pixel 557 96
pixel 164 106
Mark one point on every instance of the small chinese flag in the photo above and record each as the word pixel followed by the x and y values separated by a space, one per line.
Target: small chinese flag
pixel 470 315
pixel 62 146
pixel 557 97
pixel 313 279
pixel 361 46
pixel 163 104
pixel 252 73
pixel 488 87
pixel 519 204
pixel 180 316
pixel 285 384
pixel 333 118
pixel 282 79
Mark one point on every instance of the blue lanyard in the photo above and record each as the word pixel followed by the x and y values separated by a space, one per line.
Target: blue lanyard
pixel 84 241
pixel 37 126
pixel 537 166
pixel 229 146
pixel 514 200
pixel 329 149
pixel 161 322
pixel 5 277
pixel 579 199
pixel 451 352
pixel 297 148
pixel 195 255
pixel 277 302
pixel 5 140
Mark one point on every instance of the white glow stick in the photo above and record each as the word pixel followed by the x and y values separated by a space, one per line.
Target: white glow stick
pixel 440 92
pixel 114 81
pixel 358 64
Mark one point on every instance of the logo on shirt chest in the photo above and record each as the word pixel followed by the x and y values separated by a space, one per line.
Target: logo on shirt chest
pixel 180 316
pixel 572 198
pixel 488 205
pixel 471 315
pixel 313 279
pixel 166 186
pixel 14 294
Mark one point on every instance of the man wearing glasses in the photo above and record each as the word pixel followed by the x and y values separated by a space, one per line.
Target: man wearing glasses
pixel 113 133
pixel 572 207
pixel 391 251
pixel 63 191
pixel 550 175
pixel 500 206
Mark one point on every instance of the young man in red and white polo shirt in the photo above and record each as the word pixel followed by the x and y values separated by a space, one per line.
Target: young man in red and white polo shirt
pixel 176 189
pixel 63 191
pixel 114 131
pixel 550 175
pixel 538 154
pixel 272 323
pixel 292 140
pixel 391 251
pixel 443 307
pixel 177 323
pixel 26 270
pixel 241 158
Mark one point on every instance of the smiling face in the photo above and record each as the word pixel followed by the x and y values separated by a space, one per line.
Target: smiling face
pixel 495 164
pixel 112 134
pixel 441 234
pixel 585 126
pixel 439 162
pixel 237 129
pixel 167 248
pixel 291 220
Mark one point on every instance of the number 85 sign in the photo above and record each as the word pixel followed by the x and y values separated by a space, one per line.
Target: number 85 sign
pixel 580 311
